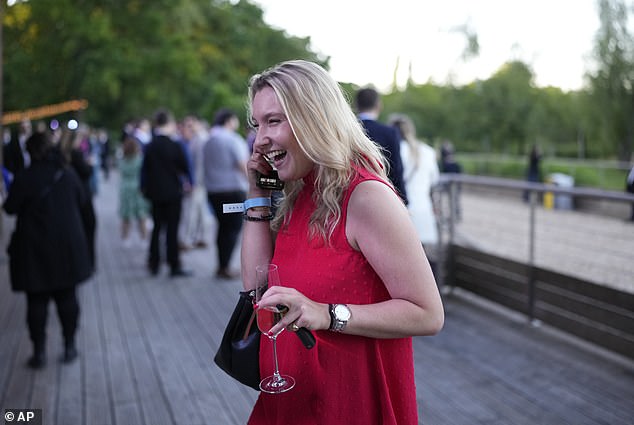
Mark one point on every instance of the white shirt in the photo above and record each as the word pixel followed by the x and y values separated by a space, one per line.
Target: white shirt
pixel 419 178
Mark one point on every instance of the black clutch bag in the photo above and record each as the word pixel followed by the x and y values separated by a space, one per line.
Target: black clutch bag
pixel 239 351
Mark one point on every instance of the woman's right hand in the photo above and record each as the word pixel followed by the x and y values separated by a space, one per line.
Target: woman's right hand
pixel 257 164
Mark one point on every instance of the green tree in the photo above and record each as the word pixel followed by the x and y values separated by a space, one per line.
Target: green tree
pixel 612 84
pixel 508 98
pixel 128 57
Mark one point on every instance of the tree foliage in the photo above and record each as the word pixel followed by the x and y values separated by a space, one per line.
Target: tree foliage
pixel 613 82
pixel 128 57
pixel 505 113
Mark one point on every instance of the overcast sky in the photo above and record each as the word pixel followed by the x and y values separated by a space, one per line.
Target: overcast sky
pixel 366 38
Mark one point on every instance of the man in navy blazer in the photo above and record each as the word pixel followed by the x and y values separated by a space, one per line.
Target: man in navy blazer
pixel 368 108
pixel 165 176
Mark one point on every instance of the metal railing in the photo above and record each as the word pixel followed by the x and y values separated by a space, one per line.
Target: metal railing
pixel 569 269
pixel 449 187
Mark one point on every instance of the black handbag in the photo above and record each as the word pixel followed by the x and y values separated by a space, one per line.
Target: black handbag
pixel 239 351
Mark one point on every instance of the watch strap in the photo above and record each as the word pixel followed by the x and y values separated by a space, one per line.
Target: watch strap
pixel 331 311
pixel 336 325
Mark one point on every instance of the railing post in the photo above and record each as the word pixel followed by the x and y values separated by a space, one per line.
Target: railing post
pixel 453 204
pixel 452 231
pixel 437 200
pixel 531 259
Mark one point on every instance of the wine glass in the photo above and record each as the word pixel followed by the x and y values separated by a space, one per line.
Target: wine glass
pixel 267 276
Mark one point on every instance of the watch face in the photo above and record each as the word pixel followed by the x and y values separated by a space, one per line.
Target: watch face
pixel 342 312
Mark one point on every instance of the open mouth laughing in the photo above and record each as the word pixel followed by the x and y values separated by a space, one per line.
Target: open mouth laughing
pixel 276 155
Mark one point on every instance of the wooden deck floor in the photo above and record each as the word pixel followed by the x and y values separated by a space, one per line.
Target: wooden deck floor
pixel 146 348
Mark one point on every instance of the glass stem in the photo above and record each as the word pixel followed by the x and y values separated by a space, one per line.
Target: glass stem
pixel 277 372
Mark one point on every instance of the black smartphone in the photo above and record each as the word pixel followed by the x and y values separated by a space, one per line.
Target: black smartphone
pixel 269 181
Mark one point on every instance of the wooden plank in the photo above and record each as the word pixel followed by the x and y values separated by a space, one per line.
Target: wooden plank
pixel 98 408
pixel 70 399
pixel 490 260
pixel 165 349
pixel 212 317
pixel 44 394
pixel 482 284
pixel 580 304
pixel 554 367
pixel 597 333
pixel 45 382
pixel 12 328
pixel 502 277
pixel 135 311
pixel 196 383
pixel 19 385
pixel 598 292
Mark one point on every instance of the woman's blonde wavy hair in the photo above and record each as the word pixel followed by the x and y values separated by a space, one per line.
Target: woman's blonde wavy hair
pixel 327 131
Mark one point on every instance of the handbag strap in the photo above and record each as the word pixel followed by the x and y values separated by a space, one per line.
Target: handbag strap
pixel 250 296
pixel 247 330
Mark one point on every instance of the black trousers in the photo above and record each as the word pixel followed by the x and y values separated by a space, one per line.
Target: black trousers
pixel 37 313
pixel 166 216
pixel 229 225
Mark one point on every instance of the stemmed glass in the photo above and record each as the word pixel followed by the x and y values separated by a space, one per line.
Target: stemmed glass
pixel 267 276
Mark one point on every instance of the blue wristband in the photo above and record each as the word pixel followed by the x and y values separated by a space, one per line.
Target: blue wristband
pixel 256 202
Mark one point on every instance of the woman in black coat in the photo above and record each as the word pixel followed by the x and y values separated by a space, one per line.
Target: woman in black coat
pixel 48 252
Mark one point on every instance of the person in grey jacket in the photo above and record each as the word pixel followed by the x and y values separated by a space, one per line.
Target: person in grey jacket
pixel 224 158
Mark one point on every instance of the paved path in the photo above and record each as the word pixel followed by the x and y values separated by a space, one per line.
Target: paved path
pixel 146 347
pixel 585 245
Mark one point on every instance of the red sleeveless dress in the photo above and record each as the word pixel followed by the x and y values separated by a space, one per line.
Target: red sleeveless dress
pixel 344 379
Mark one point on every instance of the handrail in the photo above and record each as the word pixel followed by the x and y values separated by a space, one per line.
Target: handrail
pixel 502 183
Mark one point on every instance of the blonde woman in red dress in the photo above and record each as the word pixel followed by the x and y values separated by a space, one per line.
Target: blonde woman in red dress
pixel 351 266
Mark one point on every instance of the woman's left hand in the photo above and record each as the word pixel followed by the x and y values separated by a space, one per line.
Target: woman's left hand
pixel 302 311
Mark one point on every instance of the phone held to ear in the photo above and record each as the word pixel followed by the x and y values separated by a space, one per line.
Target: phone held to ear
pixel 270 181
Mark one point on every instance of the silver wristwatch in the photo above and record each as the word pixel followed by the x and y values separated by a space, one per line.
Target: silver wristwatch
pixel 339 316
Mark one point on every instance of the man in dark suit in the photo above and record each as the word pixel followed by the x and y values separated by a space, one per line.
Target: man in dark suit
pixel 368 108
pixel 165 176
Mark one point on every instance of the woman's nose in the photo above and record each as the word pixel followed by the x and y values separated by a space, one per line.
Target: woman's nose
pixel 260 141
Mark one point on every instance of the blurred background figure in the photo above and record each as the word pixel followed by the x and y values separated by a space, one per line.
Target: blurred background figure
pixel 142 132
pixel 48 252
pixel 132 205
pixel 225 157
pixel 534 171
pixel 195 209
pixel 629 187
pixel 105 152
pixel 420 173
pixel 15 155
pixel 165 178
pixel 73 145
pixel 448 164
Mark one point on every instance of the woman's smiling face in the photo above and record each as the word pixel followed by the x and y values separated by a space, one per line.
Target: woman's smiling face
pixel 275 138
